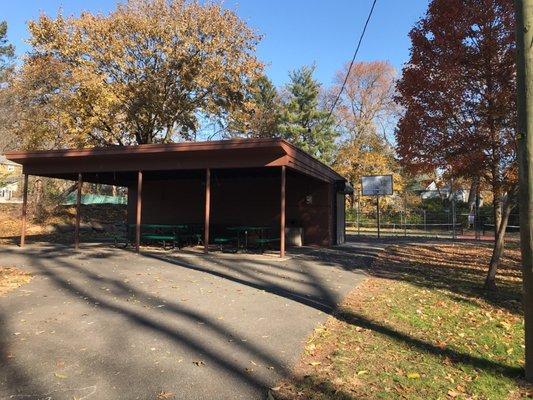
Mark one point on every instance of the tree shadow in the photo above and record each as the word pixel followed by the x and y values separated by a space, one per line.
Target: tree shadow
pixel 354 318
pixel 452 271
pixel 142 317
pixel 305 286
pixel 480 363
pixel 458 268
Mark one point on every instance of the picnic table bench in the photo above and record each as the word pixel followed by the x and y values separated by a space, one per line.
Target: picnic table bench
pixel 242 232
pixel 163 233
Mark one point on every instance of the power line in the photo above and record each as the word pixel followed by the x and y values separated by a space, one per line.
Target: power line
pixel 351 63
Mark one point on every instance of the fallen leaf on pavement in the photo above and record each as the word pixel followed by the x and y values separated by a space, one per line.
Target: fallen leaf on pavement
pixel 165 395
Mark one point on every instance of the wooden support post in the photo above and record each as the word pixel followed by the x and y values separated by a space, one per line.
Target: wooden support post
pixel 138 212
pixel 207 209
pixel 282 214
pixel 78 214
pixel 24 211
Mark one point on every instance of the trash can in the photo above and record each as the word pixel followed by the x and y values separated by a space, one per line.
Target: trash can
pixel 294 236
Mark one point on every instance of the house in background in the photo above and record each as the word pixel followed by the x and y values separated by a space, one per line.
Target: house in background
pixel 432 191
pixel 10 178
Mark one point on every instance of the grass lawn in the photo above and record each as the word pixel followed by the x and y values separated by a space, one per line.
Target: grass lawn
pixel 12 278
pixel 420 327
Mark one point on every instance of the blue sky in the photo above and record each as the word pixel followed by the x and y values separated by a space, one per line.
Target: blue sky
pixel 295 32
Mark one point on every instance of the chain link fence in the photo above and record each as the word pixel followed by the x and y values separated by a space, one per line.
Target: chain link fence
pixel 438 217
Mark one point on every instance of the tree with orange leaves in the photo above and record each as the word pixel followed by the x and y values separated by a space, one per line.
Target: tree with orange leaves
pixel 366 112
pixel 458 93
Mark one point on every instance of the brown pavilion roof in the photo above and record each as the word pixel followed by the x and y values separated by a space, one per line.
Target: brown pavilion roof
pixel 113 164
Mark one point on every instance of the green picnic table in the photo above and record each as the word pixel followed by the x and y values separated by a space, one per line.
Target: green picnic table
pixel 245 229
pixel 156 232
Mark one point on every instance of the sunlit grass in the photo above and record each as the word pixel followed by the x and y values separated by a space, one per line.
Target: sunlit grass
pixel 419 337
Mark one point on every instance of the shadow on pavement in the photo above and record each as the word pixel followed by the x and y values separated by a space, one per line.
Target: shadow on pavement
pixel 300 284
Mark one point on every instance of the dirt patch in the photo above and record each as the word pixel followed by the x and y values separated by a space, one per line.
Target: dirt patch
pixel 57 225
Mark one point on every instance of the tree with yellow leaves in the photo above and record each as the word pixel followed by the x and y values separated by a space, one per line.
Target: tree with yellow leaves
pixel 149 72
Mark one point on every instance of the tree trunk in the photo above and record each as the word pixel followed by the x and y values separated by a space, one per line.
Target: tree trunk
pixel 497 211
pixel 499 244
pixel 38 189
pixel 474 187
pixel 66 192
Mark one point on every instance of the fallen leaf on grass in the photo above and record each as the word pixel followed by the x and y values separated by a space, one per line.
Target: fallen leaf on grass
pixel 315 363
pixel 413 375
pixel 362 372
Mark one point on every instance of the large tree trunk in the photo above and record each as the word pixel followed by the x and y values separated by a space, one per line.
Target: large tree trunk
pixel 499 244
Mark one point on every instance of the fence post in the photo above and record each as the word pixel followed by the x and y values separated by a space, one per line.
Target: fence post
pixel 405 216
pixel 377 204
pixel 477 218
pixel 358 212
pixel 453 210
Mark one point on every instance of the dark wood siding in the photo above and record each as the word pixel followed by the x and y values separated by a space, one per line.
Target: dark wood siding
pixel 239 198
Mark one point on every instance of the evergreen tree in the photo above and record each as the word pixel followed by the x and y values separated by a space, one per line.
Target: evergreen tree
pixel 268 107
pixel 7 51
pixel 259 118
pixel 303 121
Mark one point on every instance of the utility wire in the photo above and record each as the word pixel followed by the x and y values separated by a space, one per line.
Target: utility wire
pixel 351 64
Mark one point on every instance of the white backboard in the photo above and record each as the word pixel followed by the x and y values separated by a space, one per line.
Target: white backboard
pixel 374 185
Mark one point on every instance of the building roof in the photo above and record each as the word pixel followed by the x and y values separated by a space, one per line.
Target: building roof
pixel 97 164
pixel 5 161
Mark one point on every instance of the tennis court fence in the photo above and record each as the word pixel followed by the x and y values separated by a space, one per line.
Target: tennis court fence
pixel 424 223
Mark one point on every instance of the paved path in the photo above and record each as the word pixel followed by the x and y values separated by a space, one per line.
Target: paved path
pixel 103 323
